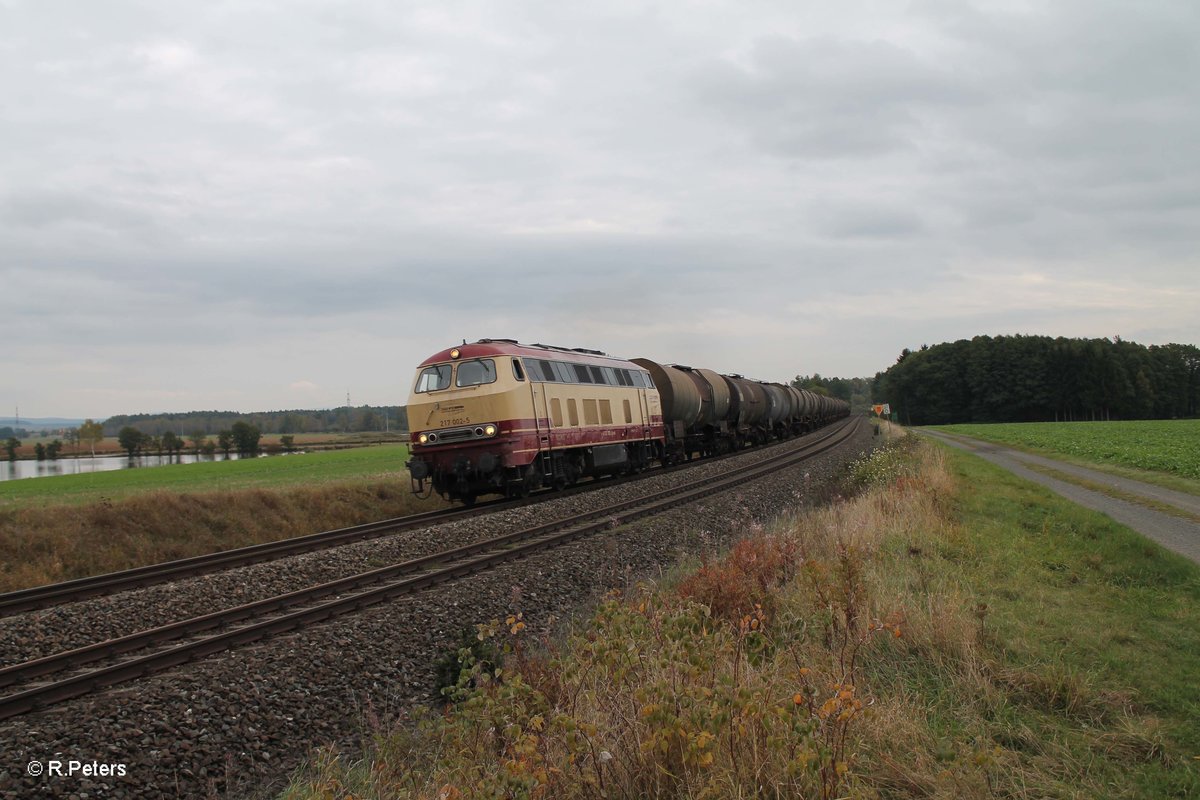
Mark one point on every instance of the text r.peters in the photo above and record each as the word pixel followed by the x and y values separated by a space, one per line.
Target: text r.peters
pixel 95 769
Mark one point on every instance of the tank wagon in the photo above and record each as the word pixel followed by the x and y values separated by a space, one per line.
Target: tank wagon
pixel 500 417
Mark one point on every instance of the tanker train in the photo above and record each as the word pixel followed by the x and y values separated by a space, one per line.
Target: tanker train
pixel 499 417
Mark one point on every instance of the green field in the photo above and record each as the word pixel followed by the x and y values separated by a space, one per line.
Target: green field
pixel 1171 447
pixel 301 469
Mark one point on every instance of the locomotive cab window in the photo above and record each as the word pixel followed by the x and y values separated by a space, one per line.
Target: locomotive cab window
pixel 434 379
pixel 475 373
pixel 517 372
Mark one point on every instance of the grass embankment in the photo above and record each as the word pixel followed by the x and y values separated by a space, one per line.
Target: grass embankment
pixel 57 529
pixel 1165 452
pixel 952 632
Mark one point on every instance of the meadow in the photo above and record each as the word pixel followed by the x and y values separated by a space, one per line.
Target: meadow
pixel 1170 447
pixel 275 472
pixel 72 526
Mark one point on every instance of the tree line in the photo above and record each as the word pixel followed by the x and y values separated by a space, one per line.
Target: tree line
pixel 1041 379
pixel 855 391
pixel 334 420
pixel 241 436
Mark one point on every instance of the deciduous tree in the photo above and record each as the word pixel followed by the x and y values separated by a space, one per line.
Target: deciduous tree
pixel 90 433
pixel 131 440
pixel 245 437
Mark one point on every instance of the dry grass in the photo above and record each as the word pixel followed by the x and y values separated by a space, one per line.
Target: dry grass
pixel 842 653
pixel 58 543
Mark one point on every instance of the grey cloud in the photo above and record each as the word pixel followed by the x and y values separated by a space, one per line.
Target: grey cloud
pixel 821 98
pixel 334 187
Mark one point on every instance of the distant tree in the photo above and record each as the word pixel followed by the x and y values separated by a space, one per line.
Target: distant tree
pixel 171 443
pixel 6 432
pixel 90 433
pixel 209 447
pixel 289 442
pixel 225 442
pixel 245 437
pixel 131 440
pixel 39 451
pixel 11 444
pixel 53 449
pixel 72 437
pixel 369 421
pixel 199 439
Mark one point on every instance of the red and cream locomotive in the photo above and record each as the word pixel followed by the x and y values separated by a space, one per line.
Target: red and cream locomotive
pixel 499 417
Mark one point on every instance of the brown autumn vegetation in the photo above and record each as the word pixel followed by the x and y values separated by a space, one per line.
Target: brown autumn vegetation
pixel 845 652
pixel 63 542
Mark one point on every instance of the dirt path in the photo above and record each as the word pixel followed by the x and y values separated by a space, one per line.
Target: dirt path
pixel 1173 532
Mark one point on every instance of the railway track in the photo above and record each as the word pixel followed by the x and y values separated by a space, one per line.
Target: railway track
pixel 39 597
pixel 27 687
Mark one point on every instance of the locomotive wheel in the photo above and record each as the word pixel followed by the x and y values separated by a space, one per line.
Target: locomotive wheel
pixel 468 499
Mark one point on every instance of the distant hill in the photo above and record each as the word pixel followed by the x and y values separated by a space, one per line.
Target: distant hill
pixel 40 422
pixel 333 420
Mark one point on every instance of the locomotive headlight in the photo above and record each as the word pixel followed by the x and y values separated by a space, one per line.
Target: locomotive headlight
pixel 490 430
pixel 454 353
pixel 423 438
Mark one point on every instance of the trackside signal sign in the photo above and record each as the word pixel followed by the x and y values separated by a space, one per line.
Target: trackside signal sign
pixel 882 408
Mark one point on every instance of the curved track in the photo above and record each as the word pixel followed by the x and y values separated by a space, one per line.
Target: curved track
pixel 309 606
pixel 53 594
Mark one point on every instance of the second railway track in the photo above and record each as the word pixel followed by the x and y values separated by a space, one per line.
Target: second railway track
pixel 49 595
pixel 294 610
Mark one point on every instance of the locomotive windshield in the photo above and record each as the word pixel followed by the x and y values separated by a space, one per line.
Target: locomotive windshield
pixel 473 373
pixel 433 379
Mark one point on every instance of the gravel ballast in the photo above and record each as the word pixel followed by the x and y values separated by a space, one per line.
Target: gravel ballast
pixel 242 722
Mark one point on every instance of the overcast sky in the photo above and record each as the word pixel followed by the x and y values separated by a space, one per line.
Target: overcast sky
pixel 260 205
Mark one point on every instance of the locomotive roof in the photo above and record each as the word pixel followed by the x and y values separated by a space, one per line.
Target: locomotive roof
pixel 511 347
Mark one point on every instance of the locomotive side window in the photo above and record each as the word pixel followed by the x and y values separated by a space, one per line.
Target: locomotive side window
pixel 517 372
pixel 581 374
pixel 597 375
pixel 434 379
pixel 474 373
pixel 534 369
pixel 563 372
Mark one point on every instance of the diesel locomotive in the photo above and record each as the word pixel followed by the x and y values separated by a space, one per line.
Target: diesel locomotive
pixel 500 417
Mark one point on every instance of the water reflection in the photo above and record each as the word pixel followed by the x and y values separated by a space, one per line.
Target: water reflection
pixel 13 470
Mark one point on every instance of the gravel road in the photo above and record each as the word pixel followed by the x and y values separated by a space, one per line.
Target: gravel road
pixel 1175 533
pixel 240 723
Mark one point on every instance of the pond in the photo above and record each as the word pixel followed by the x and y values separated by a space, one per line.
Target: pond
pixel 27 468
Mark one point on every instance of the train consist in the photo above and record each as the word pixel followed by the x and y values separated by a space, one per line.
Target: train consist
pixel 499 417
